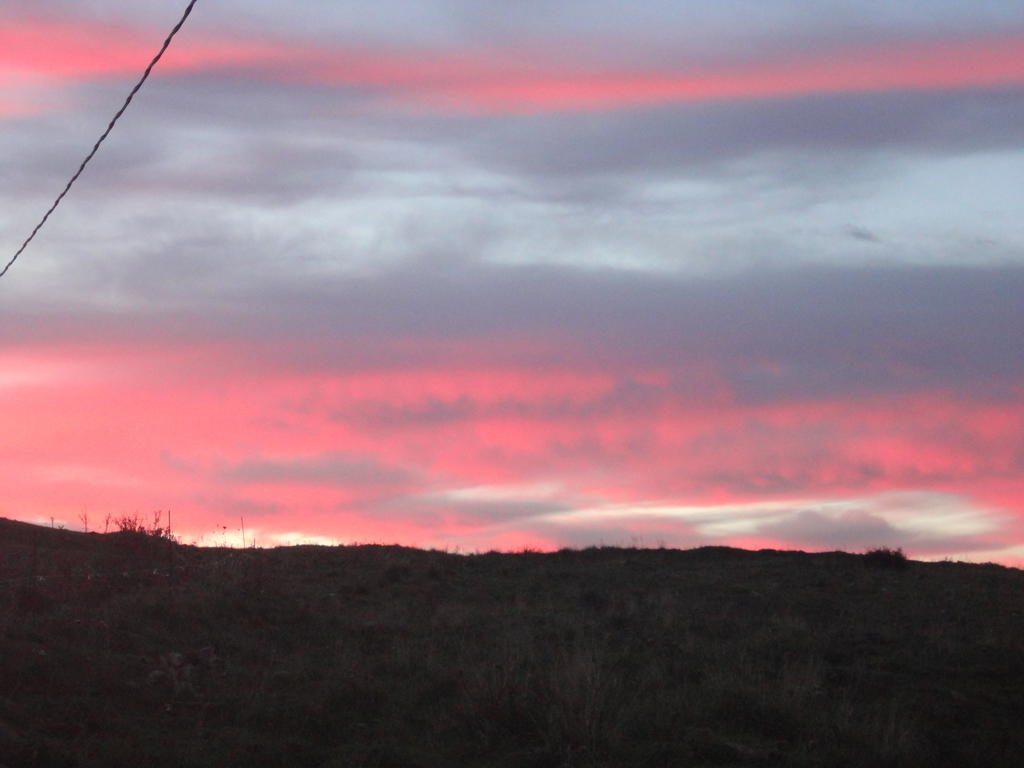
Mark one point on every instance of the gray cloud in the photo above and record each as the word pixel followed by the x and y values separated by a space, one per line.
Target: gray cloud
pixel 214 178
pixel 664 23
pixel 821 330
pixel 224 133
pixel 319 470
pixel 700 138
pixel 853 530
pixel 199 136
pixel 499 511
pixel 824 131
pixel 859 530
pixel 219 245
pixel 775 334
pixel 627 397
pixel 863 234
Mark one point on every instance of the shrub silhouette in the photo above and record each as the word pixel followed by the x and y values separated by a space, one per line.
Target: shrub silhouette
pixel 884 557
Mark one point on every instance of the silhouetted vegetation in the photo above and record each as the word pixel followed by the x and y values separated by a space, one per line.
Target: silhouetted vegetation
pixel 128 649
pixel 884 557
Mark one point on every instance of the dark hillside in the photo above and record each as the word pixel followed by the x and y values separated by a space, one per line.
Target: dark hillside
pixel 130 650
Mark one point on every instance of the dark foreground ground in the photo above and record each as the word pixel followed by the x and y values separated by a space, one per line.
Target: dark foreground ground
pixel 127 650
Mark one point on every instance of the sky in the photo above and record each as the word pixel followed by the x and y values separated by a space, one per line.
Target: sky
pixel 481 275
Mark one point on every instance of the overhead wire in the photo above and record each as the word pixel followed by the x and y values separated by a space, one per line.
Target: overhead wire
pixel 102 138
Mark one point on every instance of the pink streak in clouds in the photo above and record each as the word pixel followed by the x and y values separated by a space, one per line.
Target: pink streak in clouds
pixel 79 50
pixel 389 455
pixel 10 108
pixel 926 66
pixel 506 81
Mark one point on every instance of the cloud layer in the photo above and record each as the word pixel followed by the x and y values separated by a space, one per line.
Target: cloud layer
pixel 448 275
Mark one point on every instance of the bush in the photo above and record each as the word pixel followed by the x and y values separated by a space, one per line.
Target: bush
pixel 884 557
pixel 134 524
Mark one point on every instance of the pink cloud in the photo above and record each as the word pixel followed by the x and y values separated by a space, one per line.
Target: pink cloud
pixel 505 81
pixel 81 50
pixel 470 455
pixel 12 108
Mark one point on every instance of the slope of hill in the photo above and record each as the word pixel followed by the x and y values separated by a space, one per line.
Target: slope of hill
pixel 128 649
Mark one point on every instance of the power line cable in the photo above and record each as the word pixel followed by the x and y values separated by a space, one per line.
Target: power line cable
pixel 101 139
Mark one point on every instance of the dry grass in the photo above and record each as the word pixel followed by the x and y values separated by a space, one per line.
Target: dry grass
pixel 385 656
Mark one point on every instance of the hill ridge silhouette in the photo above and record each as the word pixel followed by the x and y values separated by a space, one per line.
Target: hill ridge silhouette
pixel 128 649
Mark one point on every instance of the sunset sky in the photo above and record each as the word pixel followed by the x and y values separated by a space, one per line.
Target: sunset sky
pixel 545 273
